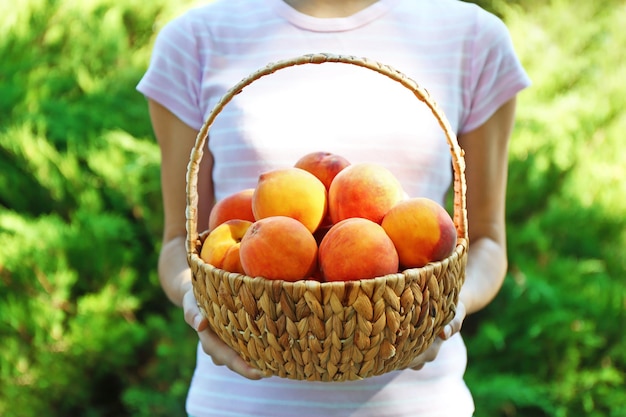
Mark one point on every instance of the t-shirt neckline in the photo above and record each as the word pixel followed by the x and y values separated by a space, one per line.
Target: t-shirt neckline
pixel 337 24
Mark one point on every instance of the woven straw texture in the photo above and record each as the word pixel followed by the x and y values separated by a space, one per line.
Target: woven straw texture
pixel 334 331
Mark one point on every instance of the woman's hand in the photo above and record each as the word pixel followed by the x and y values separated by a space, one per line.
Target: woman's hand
pixel 220 353
pixel 448 331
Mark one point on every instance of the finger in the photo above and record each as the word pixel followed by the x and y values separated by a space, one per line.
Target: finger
pixel 193 315
pixel 428 355
pixel 223 355
pixel 455 325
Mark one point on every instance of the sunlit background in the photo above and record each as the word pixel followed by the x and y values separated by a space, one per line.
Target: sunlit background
pixel 84 327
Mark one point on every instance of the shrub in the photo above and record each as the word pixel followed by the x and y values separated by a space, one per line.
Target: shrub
pixel 551 342
pixel 84 327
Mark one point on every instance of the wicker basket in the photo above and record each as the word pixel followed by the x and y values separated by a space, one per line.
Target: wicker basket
pixel 335 331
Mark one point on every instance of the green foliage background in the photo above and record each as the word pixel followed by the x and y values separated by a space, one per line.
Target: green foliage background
pixel 84 327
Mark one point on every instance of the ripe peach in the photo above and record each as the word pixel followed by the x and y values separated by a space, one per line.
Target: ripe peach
pixel 324 165
pixel 421 230
pixel 363 190
pixel 234 206
pixel 278 247
pixel 356 248
pixel 221 246
pixel 291 192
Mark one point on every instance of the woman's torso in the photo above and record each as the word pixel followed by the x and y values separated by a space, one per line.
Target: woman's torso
pixel 331 107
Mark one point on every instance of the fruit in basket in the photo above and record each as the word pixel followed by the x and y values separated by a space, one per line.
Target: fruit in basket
pixel 291 192
pixel 356 248
pixel 278 247
pixel 421 230
pixel 221 246
pixel 364 190
pixel 235 206
pixel 324 165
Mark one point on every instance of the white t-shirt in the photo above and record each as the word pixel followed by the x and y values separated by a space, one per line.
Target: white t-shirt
pixel 461 54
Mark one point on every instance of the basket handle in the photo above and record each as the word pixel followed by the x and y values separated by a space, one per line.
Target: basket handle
pixel 458 161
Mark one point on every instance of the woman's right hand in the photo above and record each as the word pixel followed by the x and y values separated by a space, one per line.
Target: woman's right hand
pixel 220 353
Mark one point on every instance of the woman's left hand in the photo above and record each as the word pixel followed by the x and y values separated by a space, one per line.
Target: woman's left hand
pixel 448 331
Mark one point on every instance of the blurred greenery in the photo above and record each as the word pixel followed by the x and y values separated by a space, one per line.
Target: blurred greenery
pixel 84 327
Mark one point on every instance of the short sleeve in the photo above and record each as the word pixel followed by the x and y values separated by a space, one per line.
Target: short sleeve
pixel 174 75
pixel 495 74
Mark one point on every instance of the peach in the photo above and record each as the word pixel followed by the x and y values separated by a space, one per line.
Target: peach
pixel 291 192
pixel 279 247
pixel 235 206
pixel 324 165
pixel 221 246
pixel 421 230
pixel 356 248
pixel 364 190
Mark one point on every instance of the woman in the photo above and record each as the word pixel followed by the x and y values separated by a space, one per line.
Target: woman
pixel 459 52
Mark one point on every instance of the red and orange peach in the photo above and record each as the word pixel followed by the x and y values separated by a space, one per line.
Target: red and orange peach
pixel 364 190
pixel 291 192
pixel 235 206
pixel 279 247
pixel 324 165
pixel 356 248
pixel 421 230
pixel 222 244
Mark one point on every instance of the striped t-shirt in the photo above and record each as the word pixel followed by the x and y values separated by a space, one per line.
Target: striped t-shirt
pixel 461 54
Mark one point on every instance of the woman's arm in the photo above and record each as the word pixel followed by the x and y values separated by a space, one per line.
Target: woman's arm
pixel 486 157
pixel 176 140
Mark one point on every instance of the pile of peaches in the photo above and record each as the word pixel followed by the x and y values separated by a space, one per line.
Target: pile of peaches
pixel 326 219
